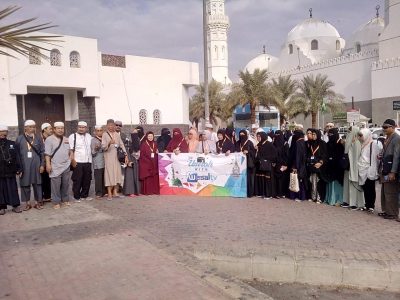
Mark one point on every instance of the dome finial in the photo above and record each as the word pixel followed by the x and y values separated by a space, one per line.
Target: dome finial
pixel 377 10
pixel 310 10
pixel 264 49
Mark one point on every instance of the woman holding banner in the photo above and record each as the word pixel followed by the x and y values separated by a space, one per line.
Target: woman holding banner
pixel 245 146
pixel 148 166
pixel 266 157
pixel 177 143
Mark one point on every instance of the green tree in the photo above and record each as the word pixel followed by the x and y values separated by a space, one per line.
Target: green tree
pixel 314 94
pixel 281 92
pixel 16 37
pixel 251 90
pixel 197 102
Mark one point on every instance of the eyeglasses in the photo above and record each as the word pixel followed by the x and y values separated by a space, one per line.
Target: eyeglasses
pixel 118 125
pixel 386 126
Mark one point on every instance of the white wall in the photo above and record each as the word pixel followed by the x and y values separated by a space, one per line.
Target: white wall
pixel 389 41
pixel 8 103
pixel 146 83
pixel 22 74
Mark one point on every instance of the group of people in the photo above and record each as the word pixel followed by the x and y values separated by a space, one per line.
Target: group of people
pixel 328 168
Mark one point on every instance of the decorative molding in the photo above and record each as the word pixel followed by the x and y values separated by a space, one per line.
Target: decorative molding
pixel 109 60
pixel 393 62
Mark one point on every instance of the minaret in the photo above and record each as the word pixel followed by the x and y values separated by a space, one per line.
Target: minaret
pixel 217 41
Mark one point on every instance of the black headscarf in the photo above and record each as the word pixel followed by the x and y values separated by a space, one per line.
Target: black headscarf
pixel 297 154
pixel 226 144
pixel 335 152
pixel 265 149
pixel 163 140
pixel 140 132
pixel 279 139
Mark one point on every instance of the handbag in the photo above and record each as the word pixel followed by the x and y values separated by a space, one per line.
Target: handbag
pixel 344 162
pixel 294 182
pixel 120 152
pixel 265 165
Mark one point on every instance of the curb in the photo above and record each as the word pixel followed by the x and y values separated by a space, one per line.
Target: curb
pixel 376 274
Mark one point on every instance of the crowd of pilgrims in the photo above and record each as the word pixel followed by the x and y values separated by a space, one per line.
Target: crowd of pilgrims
pixel 330 169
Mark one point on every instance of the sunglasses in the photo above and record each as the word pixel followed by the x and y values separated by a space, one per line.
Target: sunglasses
pixel 118 125
pixel 386 126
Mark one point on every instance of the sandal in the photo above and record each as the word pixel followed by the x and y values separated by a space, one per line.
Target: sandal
pixel 27 207
pixel 38 206
pixel 57 206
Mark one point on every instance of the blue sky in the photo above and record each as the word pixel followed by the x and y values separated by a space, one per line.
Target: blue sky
pixel 173 28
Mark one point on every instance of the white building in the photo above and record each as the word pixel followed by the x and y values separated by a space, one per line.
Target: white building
pixel 81 83
pixel 366 67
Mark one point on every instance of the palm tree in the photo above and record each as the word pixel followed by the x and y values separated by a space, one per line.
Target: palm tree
pixel 16 37
pixel 315 93
pixel 216 98
pixel 252 90
pixel 281 91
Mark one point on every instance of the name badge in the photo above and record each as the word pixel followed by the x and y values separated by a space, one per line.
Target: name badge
pixel 29 154
pixel 312 157
pixel 152 155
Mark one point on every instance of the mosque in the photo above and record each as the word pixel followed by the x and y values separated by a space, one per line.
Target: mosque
pixel 365 68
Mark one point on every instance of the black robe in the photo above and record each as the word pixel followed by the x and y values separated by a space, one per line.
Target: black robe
pixel 334 154
pixel 245 144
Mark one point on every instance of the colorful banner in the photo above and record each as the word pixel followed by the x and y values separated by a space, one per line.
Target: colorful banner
pixel 203 175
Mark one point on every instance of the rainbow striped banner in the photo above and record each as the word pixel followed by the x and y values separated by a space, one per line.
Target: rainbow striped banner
pixel 203 175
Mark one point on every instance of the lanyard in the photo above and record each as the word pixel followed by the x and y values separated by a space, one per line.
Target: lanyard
pixel 220 147
pixel 314 151
pixel 29 144
pixel 241 147
pixel 151 148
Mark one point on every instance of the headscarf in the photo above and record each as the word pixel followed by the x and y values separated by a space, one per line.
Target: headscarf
pixel 279 140
pixel 366 136
pixel 263 137
pixel 140 132
pixel 164 139
pixel 177 141
pixel 148 165
pixel 193 140
pixel 243 138
pixel 229 133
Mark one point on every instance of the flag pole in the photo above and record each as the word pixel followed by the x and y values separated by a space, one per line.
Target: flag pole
pixel 205 50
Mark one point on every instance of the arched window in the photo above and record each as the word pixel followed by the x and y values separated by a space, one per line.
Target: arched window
pixel 337 45
pixel 290 49
pixel 209 55
pixel 314 45
pixel 34 56
pixel 143 117
pixel 157 117
pixel 216 52
pixel 358 47
pixel 74 59
pixel 55 57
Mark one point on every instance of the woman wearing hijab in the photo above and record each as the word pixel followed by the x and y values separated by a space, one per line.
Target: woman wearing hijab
pixel 316 161
pixel 193 140
pixel 352 191
pixel 245 146
pixel 280 170
pixel 368 163
pixel 177 143
pixel 297 163
pixel 334 189
pixel 225 141
pixel 148 167
pixel 131 185
pixel 205 145
pixel 163 140
pixel 266 157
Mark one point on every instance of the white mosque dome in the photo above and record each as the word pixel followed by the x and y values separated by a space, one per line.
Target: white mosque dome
pixel 262 61
pixel 312 28
pixel 368 33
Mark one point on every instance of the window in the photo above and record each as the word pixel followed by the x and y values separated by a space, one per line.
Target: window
pixel 216 52
pixel 223 52
pixel 290 49
pixel 157 117
pixel 143 117
pixel 74 59
pixel 337 45
pixel 34 56
pixel 55 58
pixel 314 45
pixel 358 47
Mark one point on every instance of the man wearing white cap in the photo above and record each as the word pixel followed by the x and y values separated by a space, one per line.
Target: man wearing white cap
pixel 10 165
pixel 57 165
pixel 81 162
pixel 31 151
pixel 212 135
pixel 47 130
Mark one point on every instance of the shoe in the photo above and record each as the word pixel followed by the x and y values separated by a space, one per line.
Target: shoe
pixel 345 205
pixel 267 198
pixel 17 210
pixel 310 200
pixel 109 198
pixel 353 208
pixel 319 202
pixel 27 207
pixel 78 200
pixel 88 199
pixel 2 212
pixel 362 208
pixel 67 203
pixel 370 210
pixel 382 214
pixel 387 217
pixel 297 200
pixel 57 206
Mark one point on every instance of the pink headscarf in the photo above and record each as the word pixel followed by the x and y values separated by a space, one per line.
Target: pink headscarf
pixel 193 140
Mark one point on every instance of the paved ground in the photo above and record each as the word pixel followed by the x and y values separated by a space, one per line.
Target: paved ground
pixel 146 247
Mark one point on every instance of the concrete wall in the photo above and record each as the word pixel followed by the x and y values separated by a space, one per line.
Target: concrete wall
pixel 146 83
